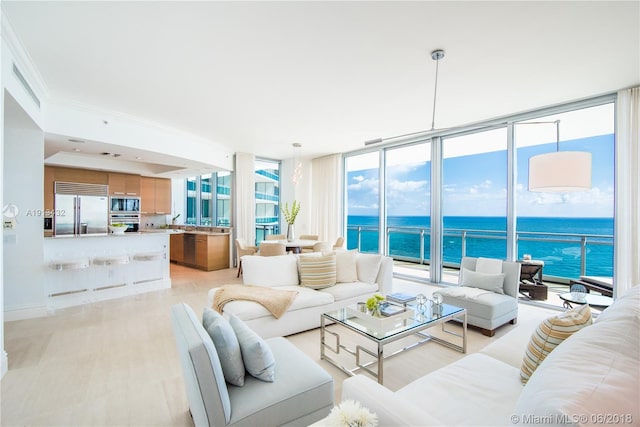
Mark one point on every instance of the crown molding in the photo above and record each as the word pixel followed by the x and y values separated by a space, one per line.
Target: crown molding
pixel 23 60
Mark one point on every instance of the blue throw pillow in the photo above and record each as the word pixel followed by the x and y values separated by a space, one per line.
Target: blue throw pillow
pixel 257 356
pixel 226 344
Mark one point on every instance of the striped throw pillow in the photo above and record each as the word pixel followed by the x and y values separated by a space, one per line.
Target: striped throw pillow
pixel 317 272
pixel 550 334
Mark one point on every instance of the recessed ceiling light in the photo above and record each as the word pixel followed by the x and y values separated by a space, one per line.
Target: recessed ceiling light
pixel 76 149
pixel 138 158
pixel 77 141
pixel 110 154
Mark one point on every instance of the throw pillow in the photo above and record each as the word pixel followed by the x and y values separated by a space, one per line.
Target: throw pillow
pixel 489 282
pixel 549 335
pixel 368 266
pixel 346 271
pixel 282 270
pixel 226 344
pixel 256 354
pixel 317 272
pixel 488 265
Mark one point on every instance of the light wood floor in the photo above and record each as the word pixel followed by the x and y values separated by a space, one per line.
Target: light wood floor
pixel 115 363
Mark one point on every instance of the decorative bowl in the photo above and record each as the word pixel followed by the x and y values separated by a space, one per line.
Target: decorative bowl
pixel 118 229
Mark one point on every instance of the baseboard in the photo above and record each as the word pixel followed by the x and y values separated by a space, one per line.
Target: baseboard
pixel 25 313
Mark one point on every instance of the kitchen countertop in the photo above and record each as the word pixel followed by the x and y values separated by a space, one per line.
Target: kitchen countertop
pixel 206 233
pixel 130 234
pixel 176 230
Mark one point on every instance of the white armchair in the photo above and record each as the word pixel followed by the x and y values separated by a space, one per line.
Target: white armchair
pixel 488 289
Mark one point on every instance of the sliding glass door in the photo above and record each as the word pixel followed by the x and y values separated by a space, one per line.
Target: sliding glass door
pixel 474 198
pixel 408 203
pixel 572 233
pixel 363 202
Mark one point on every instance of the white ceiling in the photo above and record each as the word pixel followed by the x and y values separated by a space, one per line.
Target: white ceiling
pixel 259 76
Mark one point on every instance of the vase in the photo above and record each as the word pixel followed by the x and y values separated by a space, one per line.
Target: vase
pixel 291 233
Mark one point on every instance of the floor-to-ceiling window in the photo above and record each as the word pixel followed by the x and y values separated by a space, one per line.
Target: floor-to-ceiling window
pixel 408 203
pixel 209 199
pixel 223 199
pixel 483 199
pixel 267 178
pixel 571 232
pixel 363 198
pixel 474 196
pixel 206 200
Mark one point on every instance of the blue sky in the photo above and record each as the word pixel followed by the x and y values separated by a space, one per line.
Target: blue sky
pixel 475 185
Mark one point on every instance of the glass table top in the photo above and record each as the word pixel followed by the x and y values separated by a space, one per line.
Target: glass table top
pixel 381 328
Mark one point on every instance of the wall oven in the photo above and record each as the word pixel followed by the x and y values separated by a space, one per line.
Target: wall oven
pixel 131 219
pixel 128 204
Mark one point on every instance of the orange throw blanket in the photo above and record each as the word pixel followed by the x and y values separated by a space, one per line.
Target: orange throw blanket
pixel 275 300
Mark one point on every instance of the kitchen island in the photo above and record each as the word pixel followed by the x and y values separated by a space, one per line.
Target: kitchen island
pixel 89 268
pixel 203 249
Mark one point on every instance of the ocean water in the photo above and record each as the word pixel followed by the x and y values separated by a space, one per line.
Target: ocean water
pixel 556 241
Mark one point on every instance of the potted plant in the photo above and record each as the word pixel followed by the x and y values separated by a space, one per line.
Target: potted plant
pixel 373 304
pixel 290 216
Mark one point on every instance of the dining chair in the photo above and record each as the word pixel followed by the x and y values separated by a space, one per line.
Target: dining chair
pixel 243 249
pixel 272 249
pixel 322 247
pixel 275 237
pixel 339 243
pixel 308 237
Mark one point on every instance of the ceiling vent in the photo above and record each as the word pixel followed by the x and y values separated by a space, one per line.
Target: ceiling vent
pixel 26 86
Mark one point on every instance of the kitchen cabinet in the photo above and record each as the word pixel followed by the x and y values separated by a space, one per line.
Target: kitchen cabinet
pixel 155 195
pixel 163 196
pixel 124 184
pixel 177 247
pixel 211 250
pixel 49 179
pixel 85 176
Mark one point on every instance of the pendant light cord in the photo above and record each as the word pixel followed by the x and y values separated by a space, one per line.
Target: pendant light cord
pixel 435 93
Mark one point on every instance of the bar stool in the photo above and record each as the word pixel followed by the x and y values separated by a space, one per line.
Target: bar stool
pixel 72 276
pixel 145 271
pixel 110 271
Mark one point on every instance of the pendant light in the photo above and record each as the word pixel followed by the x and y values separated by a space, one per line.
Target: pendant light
pixel 559 171
pixel 436 55
pixel 297 164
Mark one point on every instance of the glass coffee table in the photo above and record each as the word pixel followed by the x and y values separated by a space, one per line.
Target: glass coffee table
pixel 596 301
pixel 382 331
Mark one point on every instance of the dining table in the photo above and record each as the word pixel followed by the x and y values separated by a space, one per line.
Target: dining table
pixel 294 246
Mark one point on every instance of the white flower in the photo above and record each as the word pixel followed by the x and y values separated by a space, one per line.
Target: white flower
pixel 350 414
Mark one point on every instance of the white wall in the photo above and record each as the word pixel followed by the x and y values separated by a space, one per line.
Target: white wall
pixel 10 54
pixel 23 177
pixel 3 354
pixel 178 197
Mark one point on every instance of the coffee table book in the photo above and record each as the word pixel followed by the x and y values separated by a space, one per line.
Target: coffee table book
pixel 401 298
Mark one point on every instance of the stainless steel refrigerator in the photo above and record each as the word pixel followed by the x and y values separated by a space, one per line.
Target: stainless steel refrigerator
pixel 81 208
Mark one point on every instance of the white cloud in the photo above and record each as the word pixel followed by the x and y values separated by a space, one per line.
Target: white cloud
pixel 396 185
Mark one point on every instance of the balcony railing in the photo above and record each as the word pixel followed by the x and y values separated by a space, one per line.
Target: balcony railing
pixel 566 255
pixel 265 196
pixel 267 174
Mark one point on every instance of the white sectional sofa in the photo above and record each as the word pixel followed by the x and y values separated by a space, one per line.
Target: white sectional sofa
pixel 374 274
pixel 591 378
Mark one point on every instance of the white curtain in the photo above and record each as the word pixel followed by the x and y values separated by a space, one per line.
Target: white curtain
pixel 326 197
pixel 626 253
pixel 245 201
